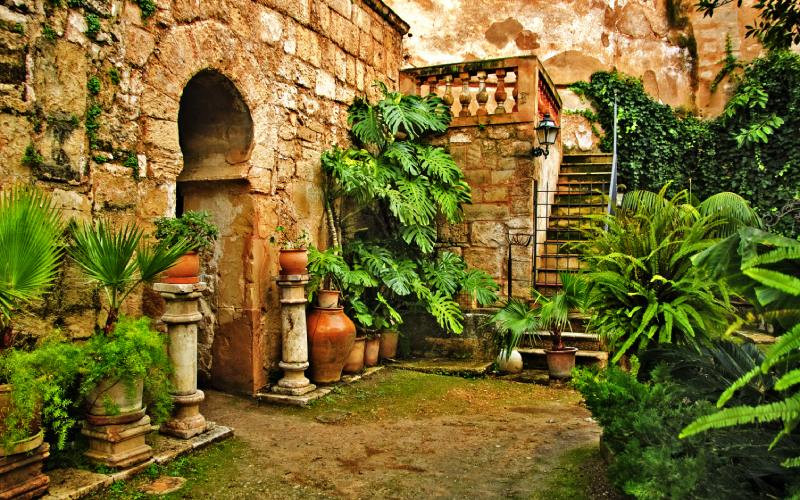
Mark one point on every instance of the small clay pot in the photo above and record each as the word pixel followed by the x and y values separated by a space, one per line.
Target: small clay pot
pixel 293 261
pixel 561 362
pixel 388 349
pixel 330 339
pixel 355 361
pixel 328 298
pixel 185 271
pixel 372 350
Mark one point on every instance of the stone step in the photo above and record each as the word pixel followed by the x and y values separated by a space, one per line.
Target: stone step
pixel 584 210
pixel 559 246
pixel 585 167
pixel 571 221
pixel 550 276
pixel 580 339
pixel 599 177
pixel 534 357
pixel 560 261
pixel 579 197
pixel 443 366
pixel 587 158
pixel 755 337
pixel 592 187
pixel 564 233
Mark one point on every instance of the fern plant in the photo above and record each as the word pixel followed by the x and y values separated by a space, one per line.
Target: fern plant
pixel 383 199
pixel 764 268
pixel 644 288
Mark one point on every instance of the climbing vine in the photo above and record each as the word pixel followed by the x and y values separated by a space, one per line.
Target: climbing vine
pixel 752 148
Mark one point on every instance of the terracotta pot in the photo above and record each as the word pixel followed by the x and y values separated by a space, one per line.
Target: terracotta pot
pixel 560 363
pixel 388 349
pixel 372 350
pixel 23 445
pixel 185 270
pixel 328 298
pixel 355 361
pixel 510 364
pixel 117 393
pixel 331 335
pixel 293 261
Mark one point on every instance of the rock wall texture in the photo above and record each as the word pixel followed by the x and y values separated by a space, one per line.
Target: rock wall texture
pixel 93 109
pixel 668 44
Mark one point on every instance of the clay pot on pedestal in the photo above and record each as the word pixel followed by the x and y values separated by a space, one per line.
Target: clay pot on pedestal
pixel 185 271
pixel 293 261
pixel 511 363
pixel 21 463
pixel 561 362
pixel 388 344
pixel 328 298
pixel 372 350
pixel 355 361
pixel 331 335
pixel 117 393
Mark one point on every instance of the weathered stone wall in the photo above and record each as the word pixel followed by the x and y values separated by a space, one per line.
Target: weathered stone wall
pixel 574 38
pixel 114 150
pixel 497 164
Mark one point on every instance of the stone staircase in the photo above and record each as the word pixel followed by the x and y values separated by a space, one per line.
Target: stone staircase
pixel 582 190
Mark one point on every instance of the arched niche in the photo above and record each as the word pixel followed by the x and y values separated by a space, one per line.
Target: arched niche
pixel 215 129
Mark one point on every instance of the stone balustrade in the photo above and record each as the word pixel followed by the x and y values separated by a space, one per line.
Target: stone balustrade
pixel 496 91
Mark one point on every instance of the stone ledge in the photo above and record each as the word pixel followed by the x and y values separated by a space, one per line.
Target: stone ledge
pixel 319 392
pixel 70 484
pixel 443 366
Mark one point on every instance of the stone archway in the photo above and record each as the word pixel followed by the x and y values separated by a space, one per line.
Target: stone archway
pixel 215 130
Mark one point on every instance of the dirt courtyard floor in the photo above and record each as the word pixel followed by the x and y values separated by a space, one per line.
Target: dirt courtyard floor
pixel 400 434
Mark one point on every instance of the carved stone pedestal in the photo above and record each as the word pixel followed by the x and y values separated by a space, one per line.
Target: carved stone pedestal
pixel 294 359
pixel 118 441
pixel 21 474
pixel 181 315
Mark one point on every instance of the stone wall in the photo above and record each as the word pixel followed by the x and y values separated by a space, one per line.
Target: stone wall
pixel 90 99
pixel 574 38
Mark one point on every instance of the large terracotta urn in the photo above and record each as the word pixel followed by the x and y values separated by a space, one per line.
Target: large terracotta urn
pixel 331 335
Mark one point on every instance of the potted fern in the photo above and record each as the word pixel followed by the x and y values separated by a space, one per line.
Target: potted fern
pixel 197 229
pixel 31 384
pixel 126 358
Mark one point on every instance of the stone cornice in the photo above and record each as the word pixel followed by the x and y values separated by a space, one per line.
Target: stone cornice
pixel 388 15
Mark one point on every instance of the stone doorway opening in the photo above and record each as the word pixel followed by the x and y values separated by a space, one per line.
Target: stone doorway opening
pixel 215 130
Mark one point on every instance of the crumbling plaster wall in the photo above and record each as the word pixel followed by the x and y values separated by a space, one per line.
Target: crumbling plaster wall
pixel 297 64
pixel 575 38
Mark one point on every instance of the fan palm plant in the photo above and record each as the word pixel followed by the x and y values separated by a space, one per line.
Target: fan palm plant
pixel 30 251
pixel 118 260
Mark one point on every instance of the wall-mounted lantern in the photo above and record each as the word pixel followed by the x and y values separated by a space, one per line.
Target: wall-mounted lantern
pixel 546 132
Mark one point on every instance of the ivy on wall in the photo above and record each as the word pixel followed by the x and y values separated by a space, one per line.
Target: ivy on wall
pixel 752 149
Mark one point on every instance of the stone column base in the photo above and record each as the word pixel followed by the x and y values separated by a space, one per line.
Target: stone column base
pixel 21 474
pixel 294 381
pixel 186 421
pixel 120 444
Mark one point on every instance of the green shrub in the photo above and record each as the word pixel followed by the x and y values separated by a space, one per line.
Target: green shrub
pixel 92 25
pixel 644 289
pixel 194 227
pixel 641 422
pixel 42 380
pixel 93 85
pixel 131 352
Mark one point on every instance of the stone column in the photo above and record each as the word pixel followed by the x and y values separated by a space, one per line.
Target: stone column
pixel 181 314
pixel 294 359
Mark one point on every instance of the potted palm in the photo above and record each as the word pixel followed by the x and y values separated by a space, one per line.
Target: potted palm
pixel 293 257
pixel 30 253
pixel 548 313
pixel 511 322
pixel 197 229
pixel 126 359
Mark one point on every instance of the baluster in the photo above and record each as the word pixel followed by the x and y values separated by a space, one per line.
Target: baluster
pixel 447 98
pixel 482 97
pixel 515 92
pixel 465 98
pixel 433 85
pixel 500 94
